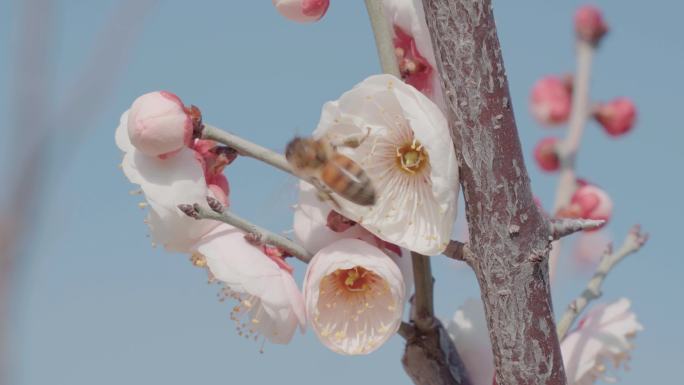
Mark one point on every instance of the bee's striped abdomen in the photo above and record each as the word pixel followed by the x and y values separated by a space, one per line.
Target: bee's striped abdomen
pixel 349 180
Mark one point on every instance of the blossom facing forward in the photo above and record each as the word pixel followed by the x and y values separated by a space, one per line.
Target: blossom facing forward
pixel 354 296
pixel 269 303
pixel 408 154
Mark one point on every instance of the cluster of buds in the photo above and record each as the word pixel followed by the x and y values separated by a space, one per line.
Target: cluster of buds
pixel 552 96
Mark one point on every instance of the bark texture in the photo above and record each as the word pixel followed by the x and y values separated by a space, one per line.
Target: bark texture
pixel 509 238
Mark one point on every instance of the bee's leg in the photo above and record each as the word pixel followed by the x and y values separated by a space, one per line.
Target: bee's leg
pixel 352 141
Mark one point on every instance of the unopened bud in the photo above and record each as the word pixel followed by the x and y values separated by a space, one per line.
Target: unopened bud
pixel 159 124
pixel 588 202
pixel 617 116
pixel 589 24
pixel 550 101
pixel 546 155
pixel 302 11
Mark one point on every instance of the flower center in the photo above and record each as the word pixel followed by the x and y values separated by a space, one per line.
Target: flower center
pixel 412 157
pixel 356 279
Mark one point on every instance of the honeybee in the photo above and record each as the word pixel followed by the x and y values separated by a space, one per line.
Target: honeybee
pixel 318 160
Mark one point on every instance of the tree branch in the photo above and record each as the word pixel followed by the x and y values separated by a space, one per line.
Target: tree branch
pixel 261 234
pixel 423 309
pixel 632 243
pixel 383 37
pixel 510 265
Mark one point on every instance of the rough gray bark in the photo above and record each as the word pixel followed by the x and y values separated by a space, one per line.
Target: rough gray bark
pixel 509 238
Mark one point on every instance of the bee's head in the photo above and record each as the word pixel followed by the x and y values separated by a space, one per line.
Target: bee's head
pixel 304 153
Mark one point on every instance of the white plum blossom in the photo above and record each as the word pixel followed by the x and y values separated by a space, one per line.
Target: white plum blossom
pixel 408 155
pixel 354 296
pixel 468 329
pixel 603 337
pixel 167 182
pixel 270 304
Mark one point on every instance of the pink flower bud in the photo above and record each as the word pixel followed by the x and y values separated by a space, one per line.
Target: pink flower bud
pixel 302 11
pixel 588 202
pixel 414 68
pixel 589 24
pixel 545 154
pixel 159 124
pixel 550 101
pixel 617 116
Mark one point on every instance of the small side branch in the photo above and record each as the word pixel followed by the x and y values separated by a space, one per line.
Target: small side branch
pixel 247 148
pixel 562 227
pixel 458 251
pixel 634 241
pixel 259 233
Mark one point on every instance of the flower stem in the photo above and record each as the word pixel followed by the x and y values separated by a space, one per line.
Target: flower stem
pixel 383 37
pixel 568 148
pixel 634 241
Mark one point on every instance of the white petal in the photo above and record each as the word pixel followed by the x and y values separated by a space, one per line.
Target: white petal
pixel 468 329
pixel 244 269
pixel 310 222
pixel 121 134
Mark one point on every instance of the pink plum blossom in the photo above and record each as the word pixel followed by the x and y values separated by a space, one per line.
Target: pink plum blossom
pixel 588 202
pixel 302 11
pixel 409 156
pixel 617 117
pixel 546 155
pixel 413 47
pixel 269 302
pixel 589 24
pixel 166 183
pixel 159 124
pixel 354 296
pixel 550 101
pixel 602 337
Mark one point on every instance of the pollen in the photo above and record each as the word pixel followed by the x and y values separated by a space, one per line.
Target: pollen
pixel 411 157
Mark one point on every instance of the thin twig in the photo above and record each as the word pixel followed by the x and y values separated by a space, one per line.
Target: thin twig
pixel 263 235
pixel 634 241
pixel 568 148
pixel 423 311
pixel 247 148
pixel 383 37
pixel 562 227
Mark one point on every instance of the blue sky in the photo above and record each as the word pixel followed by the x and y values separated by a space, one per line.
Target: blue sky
pixel 95 303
